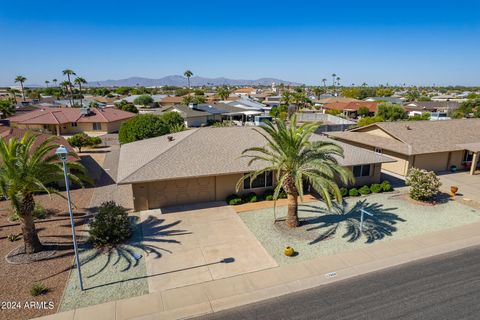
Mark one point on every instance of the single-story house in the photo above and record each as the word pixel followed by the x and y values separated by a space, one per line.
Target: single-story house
pixel 245 91
pixel 430 145
pixel 204 164
pixel 395 100
pixel 351 108
pixel 249 104
pixel 65 121
pixel 431 106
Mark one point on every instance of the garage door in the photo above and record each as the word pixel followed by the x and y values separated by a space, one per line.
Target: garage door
pixel 182 191
pixel 432 162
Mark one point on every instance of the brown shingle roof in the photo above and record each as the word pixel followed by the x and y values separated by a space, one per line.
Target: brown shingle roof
pixel 353 105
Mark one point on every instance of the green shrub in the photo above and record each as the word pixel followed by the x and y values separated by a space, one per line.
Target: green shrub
pixel 376 188
pixel 424 185
pixel 39 212
pixel 234 200
pixel 110 226
pixel 344 191
pixel 282 194
pixel 142 126
pixel 386 186
pixel 364 190
pixel 268 195
pixel 353 192
pixel 38 289
pixel 250 197
pixel 12 237
pixel 80 140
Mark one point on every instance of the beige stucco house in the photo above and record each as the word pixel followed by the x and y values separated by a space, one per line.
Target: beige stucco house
pixel 66 121
pixel 204 164
pixel 430 145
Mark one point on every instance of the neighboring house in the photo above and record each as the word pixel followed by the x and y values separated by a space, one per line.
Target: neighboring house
pixel 64 121
pixel 272 101
pixel 201 165
pixel 156 98
pixel 171 101
pixel 416 107
pixel 85 103
pixel 350 109
pixel 249 104
pixel 330 99
pixel 430 145
pixel 394 100
pixel 245 91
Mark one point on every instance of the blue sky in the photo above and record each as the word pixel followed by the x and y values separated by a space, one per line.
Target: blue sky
pixel 396 42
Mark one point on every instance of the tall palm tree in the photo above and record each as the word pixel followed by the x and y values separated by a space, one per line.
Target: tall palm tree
pixel 68 73
pixel 47 82
pixel 26 170
pixel 79 81
pixel 293 159
pixel 223 92
pixel 21 80
pixel 338 81
pixel 54 82
pixel 188 74
pixel 324 84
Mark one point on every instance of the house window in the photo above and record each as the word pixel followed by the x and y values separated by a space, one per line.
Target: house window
pixel 97 126
pixel 261 181
pixel 74 124
pixel 378 150
pixel 467 156
pixel 361 171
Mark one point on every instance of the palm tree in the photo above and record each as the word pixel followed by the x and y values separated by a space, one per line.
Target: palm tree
pixel 188 74
pixel 293 158
pixel 7 108
pixel 317 91
pixel 338 82
pixel 27 170
pixel 287 98
pixel 68 73
pixel 223 92
pixel 54 82
pixel 334 76
pixel 13 92
pixel 79 81
pixel 64 86
pixel 21 79
pixel 47 82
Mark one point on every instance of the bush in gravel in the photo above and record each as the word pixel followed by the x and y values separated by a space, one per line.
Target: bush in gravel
pixel 233 200
pixel 424 185
pixel 344 191
pixel 386 186
pixel 250 197
pixel 376 188
pixel 268 195
pixel 110 226
pixel 353 192
pixel 364 190
pixel 38 289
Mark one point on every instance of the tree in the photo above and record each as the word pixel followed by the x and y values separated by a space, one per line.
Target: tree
pixel 333 82
pixel 126 106
pixel 68 73
pixel 412 95
pixel 7 108
pixel 188 74
pixel 369 120
pixel 384 92
pixel 81 140
pixel 13 92
pixel 363 111
pixel 143 100
pixel 223 92
pixel 21 80
pixel 46 83
pixel 424 185
pixel 54 82
pixel 193 99
pixel 294 159
pixel 324 84
pixel 390 112
pixel 142 126
pixel 172 120
pixel 276 112
pixel 79 81
pixel 27 170
pixel 287 98
pixel 317 91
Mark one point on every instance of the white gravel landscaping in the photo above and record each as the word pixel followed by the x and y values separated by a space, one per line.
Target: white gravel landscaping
pixel 328 232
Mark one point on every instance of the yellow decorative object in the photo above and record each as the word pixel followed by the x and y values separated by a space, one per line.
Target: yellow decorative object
pixel 288 251
pixel 453 190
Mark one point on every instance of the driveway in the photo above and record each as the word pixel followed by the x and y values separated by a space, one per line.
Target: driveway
pixel 468 185
pixel 198 243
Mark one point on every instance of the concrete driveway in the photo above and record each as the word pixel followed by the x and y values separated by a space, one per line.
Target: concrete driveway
pixel 198 243
pixel 468 185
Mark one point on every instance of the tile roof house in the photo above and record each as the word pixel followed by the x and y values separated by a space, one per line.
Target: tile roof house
pixel 201 165
pixel 430 145
pixel 64 121
pixel 352 106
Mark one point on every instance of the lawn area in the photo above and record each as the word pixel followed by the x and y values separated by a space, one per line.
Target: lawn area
pixel 326 232
pixel 107 275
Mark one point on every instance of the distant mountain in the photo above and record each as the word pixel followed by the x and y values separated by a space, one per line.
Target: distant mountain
pixel 180 81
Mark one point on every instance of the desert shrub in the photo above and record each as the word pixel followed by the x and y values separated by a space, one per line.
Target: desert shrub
pixel 268 195
pixel 234 200
pixel 353 192
pixel 12 237
pixel 38 289
pixel 386 186
pixel 39 212
pixel 110 226
pixel 364 190
pixel 376 188
pixel 344 191
pixel 424 185
pixel 250 197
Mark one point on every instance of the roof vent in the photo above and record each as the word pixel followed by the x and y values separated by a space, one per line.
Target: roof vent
pixel 408 127
pixel 170 138
pixel 84 111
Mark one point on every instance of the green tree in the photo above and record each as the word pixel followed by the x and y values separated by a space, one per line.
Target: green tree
pixel 46 83
pixel 390 112
pixel 142 126
pixel 277 111
pixel 143 100
pixel 21 80
pixel 123 90
pixel 126 106
pixel 81 140
pixel 363 111
pixel 27 170
pixel 317 91
pixel 412 95
pixel 193 99
pixel 223 92
pixel 369 120
pixel 7 108
pixel 294 159
pixel 79 81
pixel 384 92
pixel 68 73
pixel 172 120
pixel 188 74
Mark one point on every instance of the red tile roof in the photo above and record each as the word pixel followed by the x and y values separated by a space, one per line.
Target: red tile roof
pixel 65 115
pixel 355 105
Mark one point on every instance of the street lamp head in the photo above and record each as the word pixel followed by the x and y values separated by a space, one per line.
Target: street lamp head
pixel 62 152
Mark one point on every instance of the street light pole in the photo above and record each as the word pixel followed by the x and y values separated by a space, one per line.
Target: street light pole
pixel 62 153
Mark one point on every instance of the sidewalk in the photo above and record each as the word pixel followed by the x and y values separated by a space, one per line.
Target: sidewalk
pixel 216 295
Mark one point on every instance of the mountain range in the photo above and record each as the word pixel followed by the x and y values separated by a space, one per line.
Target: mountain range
pixel 181 81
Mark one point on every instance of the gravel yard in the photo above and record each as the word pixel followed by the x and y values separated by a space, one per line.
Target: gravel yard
pixel 326 232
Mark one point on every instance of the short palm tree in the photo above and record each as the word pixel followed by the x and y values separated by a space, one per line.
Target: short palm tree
pixel 293 158
pixel 29 168
pixel 13 92
pixel 68 73
pixel 188 74
pixel 7 108
pixel 21 80
pixel 79 81
pixel 223 92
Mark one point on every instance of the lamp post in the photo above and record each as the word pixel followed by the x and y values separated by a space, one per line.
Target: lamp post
pixel 62 154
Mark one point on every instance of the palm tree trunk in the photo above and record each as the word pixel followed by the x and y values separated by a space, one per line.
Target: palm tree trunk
pixel 81 97
pixel 292 213
pixel 23 91
pixel 30 237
